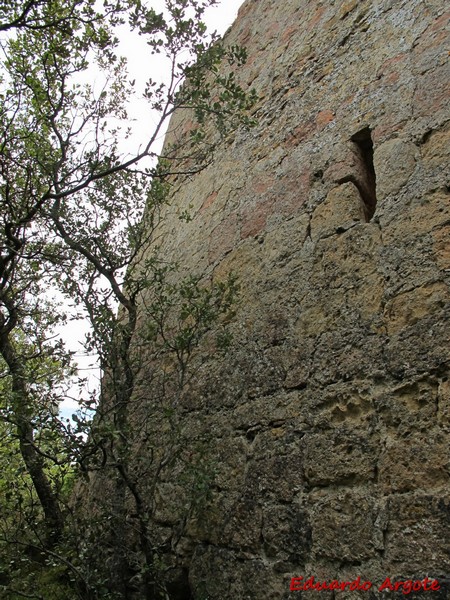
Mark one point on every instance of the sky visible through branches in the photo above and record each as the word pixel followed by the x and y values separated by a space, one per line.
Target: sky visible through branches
pixel 140 66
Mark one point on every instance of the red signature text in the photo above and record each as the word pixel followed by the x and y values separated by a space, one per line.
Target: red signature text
pixel 299 584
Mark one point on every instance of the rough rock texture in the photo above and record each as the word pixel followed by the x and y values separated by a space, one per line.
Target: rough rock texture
pixel 327 422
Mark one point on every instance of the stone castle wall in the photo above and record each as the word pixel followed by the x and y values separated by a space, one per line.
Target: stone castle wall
pixel 327 422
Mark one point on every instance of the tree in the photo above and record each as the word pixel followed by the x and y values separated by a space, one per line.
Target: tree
pixel 79 215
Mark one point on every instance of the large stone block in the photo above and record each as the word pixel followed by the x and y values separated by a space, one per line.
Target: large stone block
pixel 341 458
pixel 344 526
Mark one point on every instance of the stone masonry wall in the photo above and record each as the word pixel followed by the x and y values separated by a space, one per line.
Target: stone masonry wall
pixel 327 422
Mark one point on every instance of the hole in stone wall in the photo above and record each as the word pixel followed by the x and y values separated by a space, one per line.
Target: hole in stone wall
pixel 366 182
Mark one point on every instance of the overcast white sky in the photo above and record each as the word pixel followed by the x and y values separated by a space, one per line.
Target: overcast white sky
pixel 141 66
pixel 220 17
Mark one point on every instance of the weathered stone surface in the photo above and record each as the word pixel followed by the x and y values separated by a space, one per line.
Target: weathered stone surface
pixel 325 429
pixel 344 526
pixel 342 208
pixel 395 161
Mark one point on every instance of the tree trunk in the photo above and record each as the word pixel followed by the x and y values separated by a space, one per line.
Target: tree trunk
pixel 22 411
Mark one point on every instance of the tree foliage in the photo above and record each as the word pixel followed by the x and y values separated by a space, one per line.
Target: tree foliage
pixel 78 217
